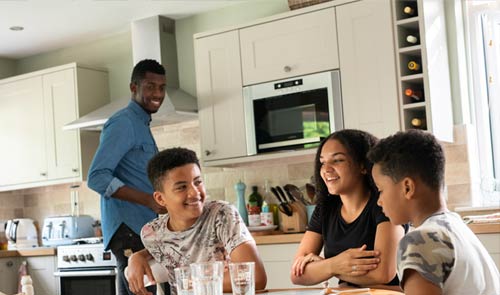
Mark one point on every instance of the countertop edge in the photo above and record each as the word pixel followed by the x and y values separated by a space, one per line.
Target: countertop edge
pixel 42 251
pixel 281 238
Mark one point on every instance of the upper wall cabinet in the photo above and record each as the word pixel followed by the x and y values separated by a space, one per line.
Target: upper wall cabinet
pixel 368 67
pixel 33 109
pixel 220 96
pixel 289 47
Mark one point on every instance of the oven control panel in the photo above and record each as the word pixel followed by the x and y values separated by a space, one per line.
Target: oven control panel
pixel 82 256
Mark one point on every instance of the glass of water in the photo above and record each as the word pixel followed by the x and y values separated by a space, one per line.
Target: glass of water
pixel 183 281
pixel 242 278
pixel 207 277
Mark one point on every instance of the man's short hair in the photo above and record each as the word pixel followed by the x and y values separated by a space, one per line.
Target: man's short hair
pixel 144 66
pixel 413 153
pixel 167 160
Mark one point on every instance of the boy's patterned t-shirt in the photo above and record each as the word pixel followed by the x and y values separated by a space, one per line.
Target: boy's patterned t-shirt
pixel 216 233
pixel 444 251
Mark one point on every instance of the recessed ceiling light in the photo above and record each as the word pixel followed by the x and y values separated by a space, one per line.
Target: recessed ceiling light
pixel 16 28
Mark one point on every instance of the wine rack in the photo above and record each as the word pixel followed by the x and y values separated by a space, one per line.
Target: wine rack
pixel 423 72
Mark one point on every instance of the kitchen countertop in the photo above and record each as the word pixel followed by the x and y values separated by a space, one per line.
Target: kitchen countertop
pixel 267 238
pixel 278 237
pixel 38 251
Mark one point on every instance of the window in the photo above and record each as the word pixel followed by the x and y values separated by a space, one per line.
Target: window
pixel 483 19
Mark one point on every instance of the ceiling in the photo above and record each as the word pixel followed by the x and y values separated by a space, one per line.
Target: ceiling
pixel 53 24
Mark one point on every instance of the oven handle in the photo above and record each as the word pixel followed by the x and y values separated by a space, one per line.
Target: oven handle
pixel 85 273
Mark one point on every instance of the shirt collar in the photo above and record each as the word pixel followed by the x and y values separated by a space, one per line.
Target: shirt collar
pixel 139 111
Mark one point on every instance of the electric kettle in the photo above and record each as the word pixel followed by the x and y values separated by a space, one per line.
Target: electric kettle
pixel 21 233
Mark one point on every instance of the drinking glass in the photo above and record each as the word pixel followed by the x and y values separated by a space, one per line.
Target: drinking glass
pixel 242 278
pixel 207 277
pixel 183 281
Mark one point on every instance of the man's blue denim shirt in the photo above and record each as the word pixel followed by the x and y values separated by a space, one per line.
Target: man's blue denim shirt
pixel 126 146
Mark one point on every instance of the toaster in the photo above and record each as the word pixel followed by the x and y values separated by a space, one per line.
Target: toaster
pixel 63 230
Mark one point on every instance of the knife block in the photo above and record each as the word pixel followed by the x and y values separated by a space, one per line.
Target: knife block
pixel 297 222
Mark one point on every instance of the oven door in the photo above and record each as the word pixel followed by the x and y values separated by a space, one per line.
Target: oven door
pixel 86 281
pixel 292 114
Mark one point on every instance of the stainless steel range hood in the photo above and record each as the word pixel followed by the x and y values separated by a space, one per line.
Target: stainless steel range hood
pixel 152 38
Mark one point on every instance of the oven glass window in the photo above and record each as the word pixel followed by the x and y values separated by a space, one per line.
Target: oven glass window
pixel 291 117
pixel 85 285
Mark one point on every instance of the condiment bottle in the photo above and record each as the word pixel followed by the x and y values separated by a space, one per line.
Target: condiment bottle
pixel 271 201
pixel 27 285
pixel 266 217
pixel 240 200
pixel 253 214
pixel 255 196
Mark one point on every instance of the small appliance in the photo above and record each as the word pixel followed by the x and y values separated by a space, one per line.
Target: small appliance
pixel 21 233
pixel 294 113
pixel 63 230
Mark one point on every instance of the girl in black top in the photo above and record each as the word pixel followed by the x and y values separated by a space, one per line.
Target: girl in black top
pixel 358 241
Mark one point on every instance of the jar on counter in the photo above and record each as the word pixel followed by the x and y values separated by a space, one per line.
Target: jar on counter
pixel 253 214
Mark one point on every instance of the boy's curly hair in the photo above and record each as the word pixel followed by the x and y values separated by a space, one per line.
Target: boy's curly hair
pixel 413 153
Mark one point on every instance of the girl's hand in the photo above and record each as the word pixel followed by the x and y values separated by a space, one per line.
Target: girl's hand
pixel 356 261
pixel 300 263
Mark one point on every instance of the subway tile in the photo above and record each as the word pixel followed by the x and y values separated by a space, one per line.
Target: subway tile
pixel 457 173
pixel 456 154
pixel 300 171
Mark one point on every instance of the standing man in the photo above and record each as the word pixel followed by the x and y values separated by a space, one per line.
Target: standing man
pixel 119 169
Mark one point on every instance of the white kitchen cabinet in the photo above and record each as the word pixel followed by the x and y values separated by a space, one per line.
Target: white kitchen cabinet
pixel 22 152
pixel 33 108
pixel 368 67
pixel 8 275
pixel 288 47
pixel 220 96
pixel 41 270
pixel 278 260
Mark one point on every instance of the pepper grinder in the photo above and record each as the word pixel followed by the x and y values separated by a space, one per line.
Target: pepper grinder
pixel 240 201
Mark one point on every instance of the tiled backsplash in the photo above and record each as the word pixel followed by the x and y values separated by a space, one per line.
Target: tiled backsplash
pixel 38 203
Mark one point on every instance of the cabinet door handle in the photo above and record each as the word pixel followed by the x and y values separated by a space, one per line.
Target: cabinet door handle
pixel 74 170
pixel 43 173
pixel 9 263
pixel 208 153
pixel 287 69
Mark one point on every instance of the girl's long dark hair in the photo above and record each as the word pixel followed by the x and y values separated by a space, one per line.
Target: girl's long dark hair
pixel 357 144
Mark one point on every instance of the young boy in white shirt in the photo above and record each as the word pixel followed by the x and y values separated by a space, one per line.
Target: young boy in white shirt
pixel 441 255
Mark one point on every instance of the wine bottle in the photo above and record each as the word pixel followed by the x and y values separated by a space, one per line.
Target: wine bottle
pixel 418 123
pixel 413 66
pixel 415 95
pixel 412 39
pixel 409 10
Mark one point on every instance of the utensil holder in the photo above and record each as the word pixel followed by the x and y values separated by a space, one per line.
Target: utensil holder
pixel 297 222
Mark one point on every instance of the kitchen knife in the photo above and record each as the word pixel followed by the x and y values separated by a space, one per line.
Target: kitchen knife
pixel 283 206
pixel 282 194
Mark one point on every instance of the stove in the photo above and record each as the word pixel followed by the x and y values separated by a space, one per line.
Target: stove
pixel 86 268
pixel 84 256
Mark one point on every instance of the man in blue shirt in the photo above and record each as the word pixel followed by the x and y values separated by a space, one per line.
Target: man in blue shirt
pixel 118 171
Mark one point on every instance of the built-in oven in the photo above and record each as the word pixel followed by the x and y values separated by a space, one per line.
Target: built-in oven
pixel 86 269
pixel 293 113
